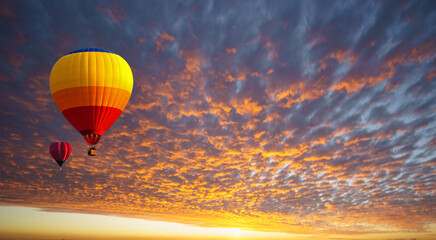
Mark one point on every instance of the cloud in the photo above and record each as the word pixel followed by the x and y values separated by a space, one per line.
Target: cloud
pixel 161 41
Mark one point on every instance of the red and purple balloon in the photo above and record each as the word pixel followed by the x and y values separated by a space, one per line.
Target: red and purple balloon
pixel 60 151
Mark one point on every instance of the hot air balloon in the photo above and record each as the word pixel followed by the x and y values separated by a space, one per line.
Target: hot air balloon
pixel 91 87
pixel 60 151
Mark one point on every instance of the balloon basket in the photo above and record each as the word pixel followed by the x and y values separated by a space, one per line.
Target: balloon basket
pixel 92 151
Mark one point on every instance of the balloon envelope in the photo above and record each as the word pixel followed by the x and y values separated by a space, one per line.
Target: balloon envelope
pixel 60 151
pixel 91 87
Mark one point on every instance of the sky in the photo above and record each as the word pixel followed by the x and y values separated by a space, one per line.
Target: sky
pixel 298 118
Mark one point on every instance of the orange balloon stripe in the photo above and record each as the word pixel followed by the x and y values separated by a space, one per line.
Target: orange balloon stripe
pixel 91 96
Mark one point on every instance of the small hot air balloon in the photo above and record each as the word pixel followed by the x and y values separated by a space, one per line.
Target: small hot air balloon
pixel 91 87
pixel 60 151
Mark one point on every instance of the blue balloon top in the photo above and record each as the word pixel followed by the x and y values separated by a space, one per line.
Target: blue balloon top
pixel 89 50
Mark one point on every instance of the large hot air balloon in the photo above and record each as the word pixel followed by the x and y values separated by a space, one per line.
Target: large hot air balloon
pixel 60 151
pixel 91 87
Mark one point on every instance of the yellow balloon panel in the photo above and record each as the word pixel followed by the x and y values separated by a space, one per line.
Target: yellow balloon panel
pixel 91 69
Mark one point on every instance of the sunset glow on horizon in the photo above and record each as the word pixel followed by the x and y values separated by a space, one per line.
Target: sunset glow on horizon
pixel 247 120
pixel 80 225
pixel 55 225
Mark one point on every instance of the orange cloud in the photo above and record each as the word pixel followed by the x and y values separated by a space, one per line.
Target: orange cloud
pixel 247 107
pixel 115 14
pixel 231 50
pixel 432 143
pixel 355 83
pixel 162 41
pixel 141 41
pixel 16 60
